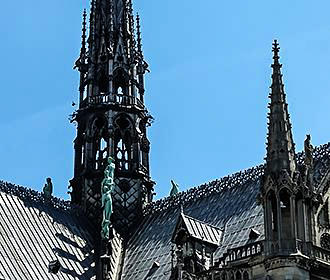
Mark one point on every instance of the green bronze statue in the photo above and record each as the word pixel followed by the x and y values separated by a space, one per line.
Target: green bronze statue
pixel 107 186
pixel 175 188
pixel 48 188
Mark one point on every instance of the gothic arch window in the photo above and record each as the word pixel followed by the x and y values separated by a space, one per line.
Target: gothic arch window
pixel 100 142
pixel 123 143
pixel 245 275
pixel 238 275
pixel 272 212
pixel 224 276
pixel 325 241
pixel 285 206
pixel 120 81
pixel 103 82
pixel 300 219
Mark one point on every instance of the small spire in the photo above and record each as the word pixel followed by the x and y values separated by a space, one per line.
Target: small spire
pixel 280 145
pixel 91 25
pixel 139 41
pixel 81 61
pixel 131 28
pixel 83 36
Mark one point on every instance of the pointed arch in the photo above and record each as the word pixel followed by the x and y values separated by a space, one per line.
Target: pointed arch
pixel 100 142
pixel 300 216
pixel 103 82
pixel 285 210
pixel 271 205
pixel 120 81
pixel 123 142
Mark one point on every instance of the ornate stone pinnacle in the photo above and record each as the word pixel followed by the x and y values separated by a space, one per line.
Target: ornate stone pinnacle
pixel 276 50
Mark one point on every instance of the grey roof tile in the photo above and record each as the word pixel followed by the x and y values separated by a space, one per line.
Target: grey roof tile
pixel 34 232
pixel 228 203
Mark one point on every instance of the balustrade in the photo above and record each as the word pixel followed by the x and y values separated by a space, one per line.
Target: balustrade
pixel 120 99
pixel 321 253
pixel 244 251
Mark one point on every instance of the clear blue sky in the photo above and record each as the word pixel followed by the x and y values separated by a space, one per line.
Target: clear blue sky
pixel 208 88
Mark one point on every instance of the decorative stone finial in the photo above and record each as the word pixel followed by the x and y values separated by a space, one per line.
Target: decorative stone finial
pixel 276 50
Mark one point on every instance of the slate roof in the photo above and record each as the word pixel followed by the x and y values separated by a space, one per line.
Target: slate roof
pixel 229 203
pixel 35 231
pixel 201 231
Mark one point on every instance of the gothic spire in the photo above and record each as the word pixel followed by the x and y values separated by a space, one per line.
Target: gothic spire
pixel 91 25
pixel 139 41
pixel 83 36
pixel 280 145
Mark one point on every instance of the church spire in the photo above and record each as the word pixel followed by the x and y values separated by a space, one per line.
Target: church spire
pixel 280 145
pixel 112 119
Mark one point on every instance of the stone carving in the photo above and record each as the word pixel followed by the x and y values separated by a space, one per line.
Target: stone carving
pixel 48 188
pixel 175 188
pixel 308 161
pixel 107 187
pixel 308 147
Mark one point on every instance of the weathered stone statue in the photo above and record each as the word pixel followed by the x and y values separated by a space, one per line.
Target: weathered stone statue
pixel 107 187
pixel 308 147
pixel 48 188
pixel 175 188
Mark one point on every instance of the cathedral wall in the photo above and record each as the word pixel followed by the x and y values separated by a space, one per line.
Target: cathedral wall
pixel 288 273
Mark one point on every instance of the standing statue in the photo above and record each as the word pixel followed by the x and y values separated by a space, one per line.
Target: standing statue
pixel 308 147
pixel 106 189
pixel 48 188
pixel 175 188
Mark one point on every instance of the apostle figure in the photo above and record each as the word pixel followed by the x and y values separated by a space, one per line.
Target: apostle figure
pixel 48 188
pixel 308 147
pixel 107 187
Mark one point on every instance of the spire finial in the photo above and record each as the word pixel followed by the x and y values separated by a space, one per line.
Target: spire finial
pixel 276 51
pixel 276 47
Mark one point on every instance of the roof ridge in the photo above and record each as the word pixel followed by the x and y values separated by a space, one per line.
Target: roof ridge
pixel 26 193
pixel 225 183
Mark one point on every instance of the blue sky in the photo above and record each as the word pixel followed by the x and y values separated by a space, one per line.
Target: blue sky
pixel 208 87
